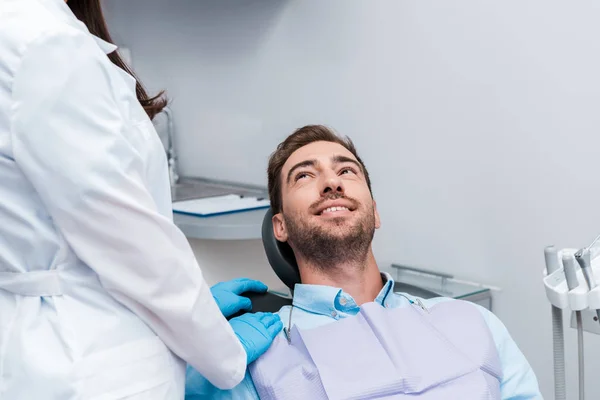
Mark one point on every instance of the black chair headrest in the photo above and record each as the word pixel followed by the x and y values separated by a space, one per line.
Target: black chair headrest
pixel 280 254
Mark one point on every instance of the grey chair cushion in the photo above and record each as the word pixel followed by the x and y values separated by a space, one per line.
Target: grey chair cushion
pixel 280 255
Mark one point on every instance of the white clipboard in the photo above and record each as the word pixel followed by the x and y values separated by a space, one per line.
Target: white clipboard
pixel 219 205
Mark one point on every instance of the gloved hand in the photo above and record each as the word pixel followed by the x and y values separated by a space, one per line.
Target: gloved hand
pixel 226 294
pixel 256 332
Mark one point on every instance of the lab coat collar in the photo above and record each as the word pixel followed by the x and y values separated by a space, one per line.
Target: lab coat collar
pixel 61 10
pixel 106 47
pixel 329 300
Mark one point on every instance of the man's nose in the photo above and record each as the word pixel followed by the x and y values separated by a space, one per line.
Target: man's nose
pixel 332 183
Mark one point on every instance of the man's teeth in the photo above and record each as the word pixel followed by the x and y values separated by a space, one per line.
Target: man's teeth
pixel 334 209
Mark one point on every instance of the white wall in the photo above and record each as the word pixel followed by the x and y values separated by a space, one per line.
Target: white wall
pixel 477 120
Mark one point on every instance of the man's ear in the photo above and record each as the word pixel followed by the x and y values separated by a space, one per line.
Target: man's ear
pixel 377 219
pixel 279 229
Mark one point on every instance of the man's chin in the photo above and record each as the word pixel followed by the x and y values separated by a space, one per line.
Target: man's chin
pixel 337 229
pixel 338 221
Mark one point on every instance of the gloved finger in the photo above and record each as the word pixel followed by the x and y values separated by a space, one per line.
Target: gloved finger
pixel 228 285
pixel 242 304
pixel 269 319
pixel 275 329
pixel 240 286
pixel 264 316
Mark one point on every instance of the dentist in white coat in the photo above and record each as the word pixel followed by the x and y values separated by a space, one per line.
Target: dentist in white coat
pixel 100 295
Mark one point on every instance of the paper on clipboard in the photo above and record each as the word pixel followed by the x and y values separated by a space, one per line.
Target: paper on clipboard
pixel 217 205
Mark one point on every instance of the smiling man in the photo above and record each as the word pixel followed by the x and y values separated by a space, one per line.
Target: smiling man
pixel 320 194
pixel 323 208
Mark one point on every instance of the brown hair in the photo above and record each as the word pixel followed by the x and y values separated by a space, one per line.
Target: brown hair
pixel 90 13
pixel 300 138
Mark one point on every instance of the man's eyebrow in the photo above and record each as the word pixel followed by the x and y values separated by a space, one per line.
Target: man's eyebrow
pixel 305 163
pixel 343 159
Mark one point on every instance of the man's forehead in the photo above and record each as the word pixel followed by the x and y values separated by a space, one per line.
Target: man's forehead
pixel 320 151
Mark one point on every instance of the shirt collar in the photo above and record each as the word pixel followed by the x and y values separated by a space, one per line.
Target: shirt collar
pixel 61 10
pixel 329 300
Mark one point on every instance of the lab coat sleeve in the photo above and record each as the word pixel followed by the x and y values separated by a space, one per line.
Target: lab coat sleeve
pixel 519 381
pixel 198 388
pixel 68 138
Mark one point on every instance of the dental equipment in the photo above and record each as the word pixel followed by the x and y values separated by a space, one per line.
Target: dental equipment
pixel 572 283
pixel 558 339
pixel 584 260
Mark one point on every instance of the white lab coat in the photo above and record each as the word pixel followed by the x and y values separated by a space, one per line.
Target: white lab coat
pixel 95 279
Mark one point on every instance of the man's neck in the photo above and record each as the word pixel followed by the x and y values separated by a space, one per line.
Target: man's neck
pixel 361 280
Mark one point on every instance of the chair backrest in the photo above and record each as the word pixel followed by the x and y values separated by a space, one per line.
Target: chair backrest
pixel 282 260
pixel 280 255
pixel 265 302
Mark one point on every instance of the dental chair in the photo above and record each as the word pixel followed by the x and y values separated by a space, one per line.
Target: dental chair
pixel 282 260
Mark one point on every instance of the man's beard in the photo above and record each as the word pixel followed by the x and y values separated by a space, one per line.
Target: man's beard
pixel 324 248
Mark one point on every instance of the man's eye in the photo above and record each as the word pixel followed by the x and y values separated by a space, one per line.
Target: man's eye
pixel 347 170
pixel 301 175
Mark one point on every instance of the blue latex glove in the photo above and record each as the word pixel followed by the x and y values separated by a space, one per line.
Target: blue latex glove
pixel 227 294
pixel 256 332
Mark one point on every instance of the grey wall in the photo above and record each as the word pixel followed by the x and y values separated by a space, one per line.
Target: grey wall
pixel 477 120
